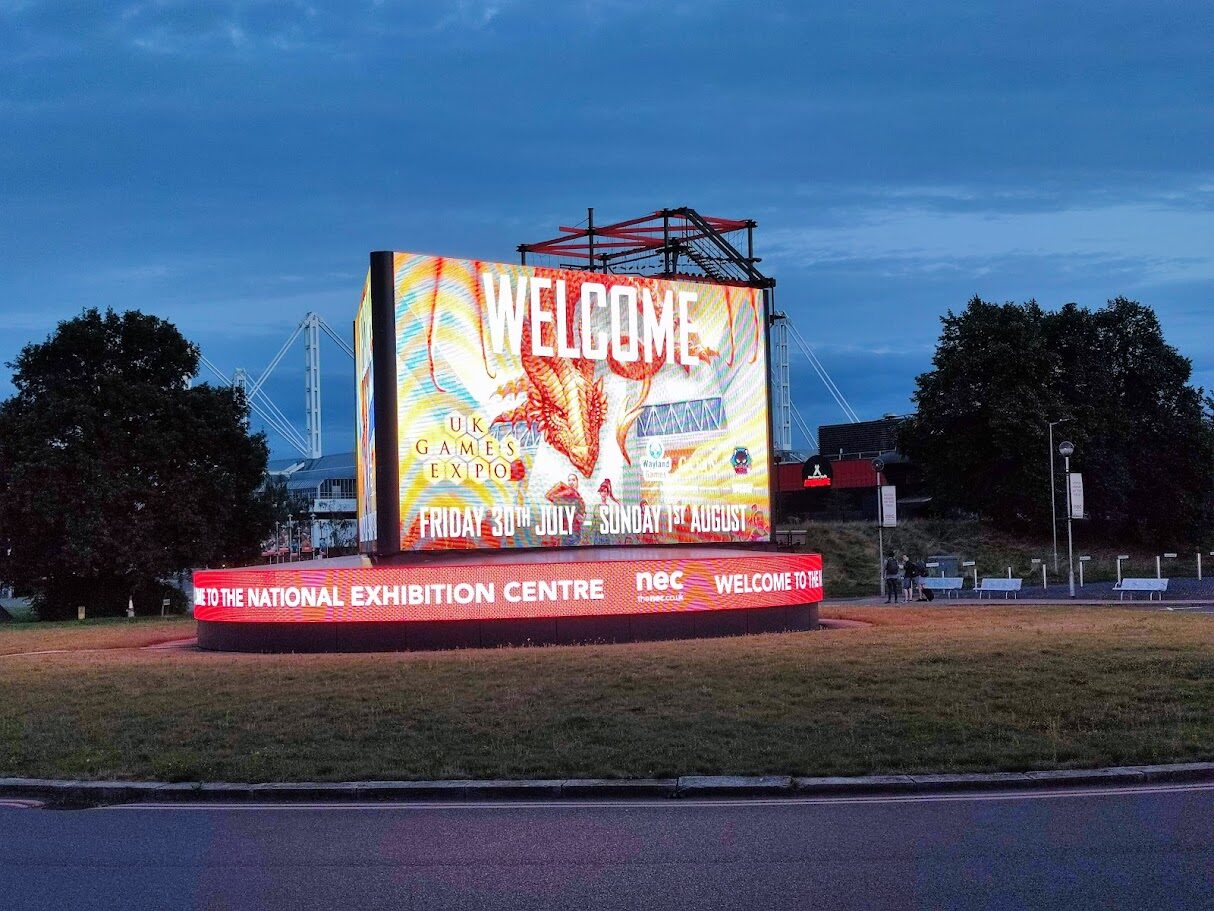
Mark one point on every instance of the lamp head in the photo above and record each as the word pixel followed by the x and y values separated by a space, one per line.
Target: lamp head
pixel 1066 448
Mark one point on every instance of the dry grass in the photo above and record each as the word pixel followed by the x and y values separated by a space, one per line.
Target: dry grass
pixel 923 689
pixel 75 636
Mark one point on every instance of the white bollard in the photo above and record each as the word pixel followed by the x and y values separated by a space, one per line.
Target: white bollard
pixel 1044 584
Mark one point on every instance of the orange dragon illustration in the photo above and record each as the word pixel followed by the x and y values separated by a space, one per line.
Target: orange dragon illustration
pixel 562 396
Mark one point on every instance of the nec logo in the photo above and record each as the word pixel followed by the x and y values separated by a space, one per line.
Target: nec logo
pixel 660 581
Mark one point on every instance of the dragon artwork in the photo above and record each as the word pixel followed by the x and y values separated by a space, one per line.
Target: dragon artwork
pixel 562 396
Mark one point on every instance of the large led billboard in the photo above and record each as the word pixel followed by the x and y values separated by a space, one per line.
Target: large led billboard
pixel 537 407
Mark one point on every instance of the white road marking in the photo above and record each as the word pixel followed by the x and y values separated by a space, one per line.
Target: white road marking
pixel 683 803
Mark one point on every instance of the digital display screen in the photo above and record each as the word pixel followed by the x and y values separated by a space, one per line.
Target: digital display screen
pixel 556 408
pixel 364 378
pixel 502 591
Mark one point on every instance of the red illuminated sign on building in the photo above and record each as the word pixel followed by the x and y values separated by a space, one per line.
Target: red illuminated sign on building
pixel 816 472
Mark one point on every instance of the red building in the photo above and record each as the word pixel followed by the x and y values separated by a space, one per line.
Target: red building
pixel 851 450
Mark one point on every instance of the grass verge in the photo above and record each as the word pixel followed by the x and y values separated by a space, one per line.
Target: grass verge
pixel 939 689
pixel 849 552
pixel 90 634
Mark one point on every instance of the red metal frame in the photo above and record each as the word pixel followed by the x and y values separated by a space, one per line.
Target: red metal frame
pixel 669 233
pixel 631 231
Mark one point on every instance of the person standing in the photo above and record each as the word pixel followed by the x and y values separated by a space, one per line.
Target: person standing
pixel 909 571
pixel 893 584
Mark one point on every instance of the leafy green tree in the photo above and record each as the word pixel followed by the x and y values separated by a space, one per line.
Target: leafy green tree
pixel 1143 435
pixel 115 473
pixel 973 432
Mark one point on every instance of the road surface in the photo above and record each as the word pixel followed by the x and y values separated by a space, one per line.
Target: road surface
pixel 1140 848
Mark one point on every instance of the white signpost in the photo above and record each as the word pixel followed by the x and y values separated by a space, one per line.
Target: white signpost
pixel 1035 561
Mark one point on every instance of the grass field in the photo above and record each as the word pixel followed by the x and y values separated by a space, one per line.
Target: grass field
pixel 943 689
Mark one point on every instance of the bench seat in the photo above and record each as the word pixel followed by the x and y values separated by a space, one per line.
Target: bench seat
pixel 992 584
pixel 950 585
pixel 1153 587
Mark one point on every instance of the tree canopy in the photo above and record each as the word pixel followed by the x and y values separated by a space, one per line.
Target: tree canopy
pixel 115 472
pixel 1143 435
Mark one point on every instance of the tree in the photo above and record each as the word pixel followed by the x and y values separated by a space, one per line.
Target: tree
pixel 972 434
pixel 115 473
pixel 1144 438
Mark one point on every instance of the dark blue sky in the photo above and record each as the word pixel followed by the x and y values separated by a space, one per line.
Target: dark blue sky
pixel 228 166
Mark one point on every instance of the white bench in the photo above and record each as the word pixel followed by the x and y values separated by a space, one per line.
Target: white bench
pixel 950 585
pixel 991 584
pixel 1152 587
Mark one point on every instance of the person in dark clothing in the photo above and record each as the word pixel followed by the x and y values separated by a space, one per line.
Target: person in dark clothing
pixel 893 584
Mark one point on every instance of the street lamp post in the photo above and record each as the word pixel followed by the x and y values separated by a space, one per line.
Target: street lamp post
pixel 1066 448
pixel 878 467
pixel 1053 502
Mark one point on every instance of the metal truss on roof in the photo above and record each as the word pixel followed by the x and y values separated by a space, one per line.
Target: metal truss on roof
pixel 681 243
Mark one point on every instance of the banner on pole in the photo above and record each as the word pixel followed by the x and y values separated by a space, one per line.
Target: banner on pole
pixel 889 506
pixel 1076 482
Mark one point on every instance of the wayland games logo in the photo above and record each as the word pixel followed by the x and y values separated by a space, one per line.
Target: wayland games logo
pixel 655 464
pixel 540 407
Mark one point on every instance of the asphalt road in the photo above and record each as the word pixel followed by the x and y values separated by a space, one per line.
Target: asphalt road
pixel 1110 848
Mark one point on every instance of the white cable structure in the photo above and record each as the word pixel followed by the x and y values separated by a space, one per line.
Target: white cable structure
pixel 800 422
pixel 309 443
pixel 260 403
pixel 834 390
pixel 261 406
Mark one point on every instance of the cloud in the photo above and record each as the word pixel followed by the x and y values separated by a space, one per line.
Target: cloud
pixel 1159 239
pixel 242 27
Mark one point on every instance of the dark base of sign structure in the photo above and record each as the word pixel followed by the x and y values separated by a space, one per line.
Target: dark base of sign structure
pixel 452 634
